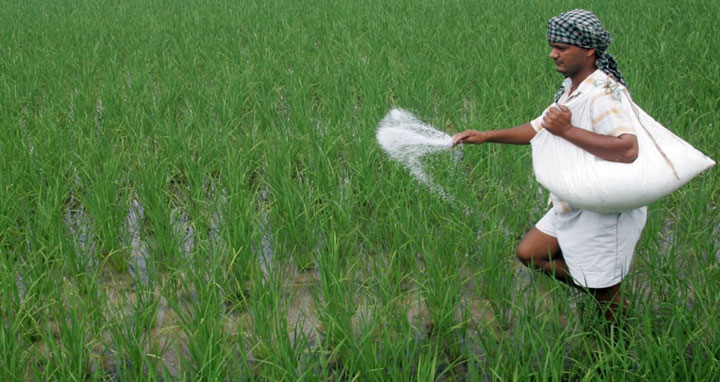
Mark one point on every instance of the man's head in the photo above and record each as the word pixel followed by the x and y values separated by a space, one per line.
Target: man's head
pixel 577 37
pixel 580 28
pixel 570 59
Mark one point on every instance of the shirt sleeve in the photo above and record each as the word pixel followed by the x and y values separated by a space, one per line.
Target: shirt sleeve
pixel 609 118
pixel 537 122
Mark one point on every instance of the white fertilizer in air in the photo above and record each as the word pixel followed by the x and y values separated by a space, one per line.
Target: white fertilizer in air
pixel 407 140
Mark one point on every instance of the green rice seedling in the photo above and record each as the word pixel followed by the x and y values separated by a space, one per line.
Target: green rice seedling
pixel 13 199
pixel 441 285
pixel 75 322
pixel 495 285
pixel 336 300
pixel 19 304
pixel 276 351
pixel 105 198
pixel 389 287
pixel 14 354
pixel 46 202
pixel 544 333
pixel 151 182
pixel 32 285
pixel 133 316
pixel 72 337
pixel 428 367
pixel 392 355
pixel 237 198
pixel 209 345
pixel 30 320
pixel 190 224
pixel 386 331
pixel 703 347
pixel 45 246
pixel 194 187
pixel 295 205
pixel 384 220
pixel 17 320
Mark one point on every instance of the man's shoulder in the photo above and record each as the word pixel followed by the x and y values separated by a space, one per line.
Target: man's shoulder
pixel 607 93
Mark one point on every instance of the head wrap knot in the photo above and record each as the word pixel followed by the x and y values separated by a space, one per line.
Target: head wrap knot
pixel 582 28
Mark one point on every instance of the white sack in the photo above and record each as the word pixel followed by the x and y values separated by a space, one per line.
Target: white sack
pixel 664 163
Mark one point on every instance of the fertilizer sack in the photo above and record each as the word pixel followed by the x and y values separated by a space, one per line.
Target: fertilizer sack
pixel 665 162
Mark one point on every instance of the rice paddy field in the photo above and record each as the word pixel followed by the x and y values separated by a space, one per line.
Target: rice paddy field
pixel 193 191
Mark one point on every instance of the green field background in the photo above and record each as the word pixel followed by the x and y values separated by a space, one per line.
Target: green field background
pixel 193 191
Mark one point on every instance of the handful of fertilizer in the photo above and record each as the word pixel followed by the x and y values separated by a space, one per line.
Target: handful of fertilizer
pixel 407 140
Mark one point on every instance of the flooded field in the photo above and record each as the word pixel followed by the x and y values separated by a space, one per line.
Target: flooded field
pixel 195 191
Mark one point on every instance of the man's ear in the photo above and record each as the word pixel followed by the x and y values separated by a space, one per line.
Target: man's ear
pixel 590 52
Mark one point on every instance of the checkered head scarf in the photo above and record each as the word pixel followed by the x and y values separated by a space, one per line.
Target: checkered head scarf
pixel 583 29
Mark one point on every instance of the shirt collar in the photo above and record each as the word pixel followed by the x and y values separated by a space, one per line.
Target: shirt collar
pixel 585 86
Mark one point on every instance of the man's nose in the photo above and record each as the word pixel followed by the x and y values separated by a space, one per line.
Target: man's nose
pixel 553 53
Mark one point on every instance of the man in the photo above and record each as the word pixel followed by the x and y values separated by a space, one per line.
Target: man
pixel 587 249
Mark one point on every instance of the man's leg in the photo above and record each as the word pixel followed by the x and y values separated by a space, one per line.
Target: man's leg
pixel 541 251
pixel 612 304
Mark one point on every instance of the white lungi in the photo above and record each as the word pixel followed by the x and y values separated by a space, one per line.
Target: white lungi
pixel 597 248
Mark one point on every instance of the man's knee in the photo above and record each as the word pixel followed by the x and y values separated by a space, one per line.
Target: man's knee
pixel 524 252
pixel 537 246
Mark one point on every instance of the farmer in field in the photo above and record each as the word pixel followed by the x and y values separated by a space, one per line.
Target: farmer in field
pixel 583 248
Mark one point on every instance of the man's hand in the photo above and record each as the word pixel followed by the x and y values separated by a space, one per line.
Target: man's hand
pixel 557 120
pixel 469 136
pixel 622 149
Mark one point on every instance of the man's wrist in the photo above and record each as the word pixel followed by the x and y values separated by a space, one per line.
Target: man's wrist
pixel 566 132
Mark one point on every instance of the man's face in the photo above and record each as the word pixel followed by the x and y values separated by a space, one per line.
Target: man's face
pixel 569 59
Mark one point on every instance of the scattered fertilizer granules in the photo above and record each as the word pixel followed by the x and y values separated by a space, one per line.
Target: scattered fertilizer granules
pixel 407 140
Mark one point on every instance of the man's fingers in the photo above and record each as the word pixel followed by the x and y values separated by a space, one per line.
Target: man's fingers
pixel 459 138
pixel 559 109
pixel 462 137
pixel 556 114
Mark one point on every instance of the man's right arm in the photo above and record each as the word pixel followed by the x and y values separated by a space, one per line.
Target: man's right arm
pixel 518 135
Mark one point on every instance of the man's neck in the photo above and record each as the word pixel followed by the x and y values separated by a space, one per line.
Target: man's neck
pixel 580 76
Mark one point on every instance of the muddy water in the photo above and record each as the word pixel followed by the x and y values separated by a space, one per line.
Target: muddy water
pixel 300 287
pixel 78 224
pixel 121 289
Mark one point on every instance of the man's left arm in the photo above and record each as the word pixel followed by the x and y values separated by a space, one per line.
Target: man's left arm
pixel 622 148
